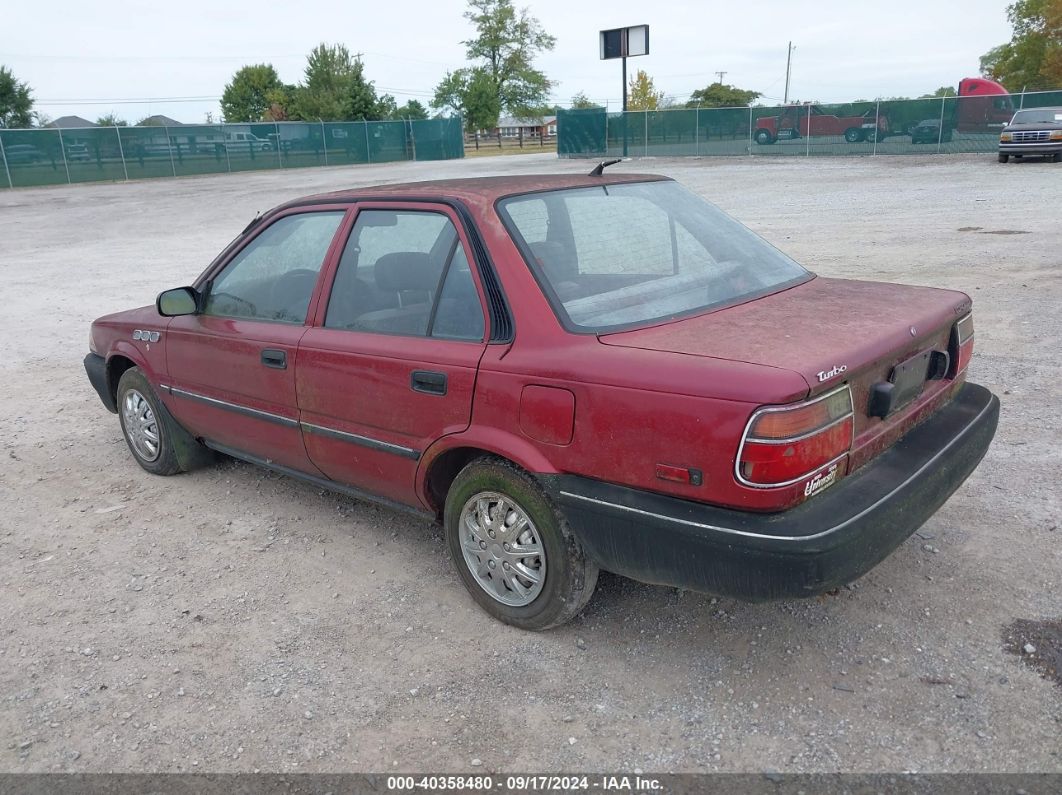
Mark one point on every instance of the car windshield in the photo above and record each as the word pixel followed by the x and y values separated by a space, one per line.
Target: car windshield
pixel 632 254
pixel 1038 116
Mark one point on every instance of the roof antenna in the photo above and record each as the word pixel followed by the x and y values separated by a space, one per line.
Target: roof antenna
pixel 599 169
pixel 255 220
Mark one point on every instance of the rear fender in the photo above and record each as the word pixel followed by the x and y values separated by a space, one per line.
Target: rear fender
pixel 493 441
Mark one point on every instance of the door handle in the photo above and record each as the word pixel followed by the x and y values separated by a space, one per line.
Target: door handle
pixel 428 382
pixel 278 360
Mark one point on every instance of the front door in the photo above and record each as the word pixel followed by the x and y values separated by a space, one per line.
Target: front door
pixel 232 366
pixel 390 365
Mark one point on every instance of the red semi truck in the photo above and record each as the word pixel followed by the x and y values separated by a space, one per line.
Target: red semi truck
pixel 981 105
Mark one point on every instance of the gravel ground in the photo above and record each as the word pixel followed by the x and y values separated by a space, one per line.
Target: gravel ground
pixel 233 620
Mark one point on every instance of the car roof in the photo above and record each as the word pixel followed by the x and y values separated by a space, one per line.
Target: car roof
pixel 476 190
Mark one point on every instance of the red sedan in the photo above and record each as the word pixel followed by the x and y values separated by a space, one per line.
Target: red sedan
pixel 572 374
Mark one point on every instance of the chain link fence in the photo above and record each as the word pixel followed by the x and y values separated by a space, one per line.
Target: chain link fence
pixel 894 127
pixel 54 156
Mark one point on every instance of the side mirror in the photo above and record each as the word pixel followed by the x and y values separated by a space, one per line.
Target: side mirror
pixel 176 302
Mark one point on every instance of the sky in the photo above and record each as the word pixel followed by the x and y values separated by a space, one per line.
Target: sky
pixel 137 59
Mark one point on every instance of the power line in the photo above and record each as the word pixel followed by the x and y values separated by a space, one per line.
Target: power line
pixel 156 57
pixel 124 101
pixel 190 57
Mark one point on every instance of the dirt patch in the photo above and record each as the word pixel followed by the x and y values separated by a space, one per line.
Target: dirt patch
pixel 1038 644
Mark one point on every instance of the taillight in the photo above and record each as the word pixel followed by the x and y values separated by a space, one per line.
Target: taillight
pixel 964 340
pixel 785 444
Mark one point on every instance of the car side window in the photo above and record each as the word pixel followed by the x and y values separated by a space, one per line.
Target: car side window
pixel 405 272
pixel 273 277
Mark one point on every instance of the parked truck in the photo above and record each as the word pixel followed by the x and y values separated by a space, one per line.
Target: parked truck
pixel 981 105
pixel 799 121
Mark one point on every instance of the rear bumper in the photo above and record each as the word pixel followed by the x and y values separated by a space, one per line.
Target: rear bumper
pixel 832 539
pixel 96 367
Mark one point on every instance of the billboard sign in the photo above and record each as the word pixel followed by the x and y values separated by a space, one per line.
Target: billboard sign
pixel 624 42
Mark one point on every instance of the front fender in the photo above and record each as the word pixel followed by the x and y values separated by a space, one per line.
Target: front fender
pixel 149 357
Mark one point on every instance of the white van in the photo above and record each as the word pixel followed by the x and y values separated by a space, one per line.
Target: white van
pixel 240 140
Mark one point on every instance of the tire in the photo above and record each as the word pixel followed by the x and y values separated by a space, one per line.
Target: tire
pixel 764 137
pixel 569 577
pixel 872 135
pixel 157 442
pixel 1056 157
pixel 853 135
pixel 1003 158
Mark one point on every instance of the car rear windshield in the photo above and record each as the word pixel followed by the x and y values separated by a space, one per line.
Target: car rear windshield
pixel 1038 116
pixel 631 254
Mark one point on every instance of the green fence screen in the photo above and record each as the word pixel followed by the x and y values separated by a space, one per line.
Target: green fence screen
pixel 894 127
pixel 51 156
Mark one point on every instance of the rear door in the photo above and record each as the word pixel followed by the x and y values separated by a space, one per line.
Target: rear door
pixel 232 366
pixel 390 365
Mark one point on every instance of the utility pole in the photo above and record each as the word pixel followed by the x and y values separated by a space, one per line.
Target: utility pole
pixel 721 74
pixel 624 114
pixel 788 64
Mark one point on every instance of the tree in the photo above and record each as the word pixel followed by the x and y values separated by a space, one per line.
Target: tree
pixel 1032 59
pixel 111 120
pixel 502 55
pixel 411 110
pixel 16 101
pixel 720 95
pixel 943 91
pixel 642 93
pixel 581 102
pixel 471 94
pixel 1052 65
pixel 335 88
pixel 281 103
pixel 246 97
pixel 386 107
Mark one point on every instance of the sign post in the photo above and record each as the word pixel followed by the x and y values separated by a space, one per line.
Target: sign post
pixel 624 43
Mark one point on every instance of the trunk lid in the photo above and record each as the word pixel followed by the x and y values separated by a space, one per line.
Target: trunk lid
pixel 830 331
